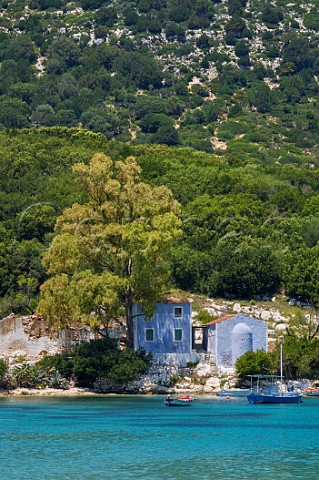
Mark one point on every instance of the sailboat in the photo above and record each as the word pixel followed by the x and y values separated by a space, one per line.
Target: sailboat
pixel 271 392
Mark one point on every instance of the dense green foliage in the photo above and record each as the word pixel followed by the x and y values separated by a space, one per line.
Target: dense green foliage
pixel 301 357
pixel 112 251
pixel 35 186
pixel 96 360
pixel 174 72
pixel 301 345
pixel 252 363
pixel 85 365
pixel 237 82
pixel 4 367
pixel 248 229
pixel 300 354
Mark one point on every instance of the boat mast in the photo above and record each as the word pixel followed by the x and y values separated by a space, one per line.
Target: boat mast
pixel 281 368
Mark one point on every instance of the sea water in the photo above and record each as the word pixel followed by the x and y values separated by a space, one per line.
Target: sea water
pixel 138 437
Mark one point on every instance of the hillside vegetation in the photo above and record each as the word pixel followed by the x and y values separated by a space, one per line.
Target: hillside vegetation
pixel 205 74
pixel 248 230
pixel 216 100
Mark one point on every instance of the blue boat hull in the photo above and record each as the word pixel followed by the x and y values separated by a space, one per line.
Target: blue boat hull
pixel 260 398
pixel 177 403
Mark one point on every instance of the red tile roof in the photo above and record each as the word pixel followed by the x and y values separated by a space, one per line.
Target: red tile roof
pixel 221 319
pixel 169 299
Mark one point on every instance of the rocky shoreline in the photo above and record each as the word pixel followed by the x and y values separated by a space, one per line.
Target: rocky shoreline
pixel 159 380
pixel 75 392
pixel 46 392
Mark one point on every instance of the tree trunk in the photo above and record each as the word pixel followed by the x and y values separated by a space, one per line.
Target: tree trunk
pixel 129 317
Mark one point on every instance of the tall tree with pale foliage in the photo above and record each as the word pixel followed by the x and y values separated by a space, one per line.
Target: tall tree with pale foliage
pixel 111 251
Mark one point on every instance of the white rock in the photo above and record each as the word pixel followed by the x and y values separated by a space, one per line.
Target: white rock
pixel 213 382
pixel 237 307
pixel 266 315
pixel 281 327
pixel 18 353
pixel 203 370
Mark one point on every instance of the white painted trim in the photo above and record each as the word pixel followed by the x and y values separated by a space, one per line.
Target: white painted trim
pixel 179 316
pixel 145 339
pixel 175 329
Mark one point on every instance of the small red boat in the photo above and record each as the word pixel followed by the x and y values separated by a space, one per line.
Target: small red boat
pixel 313 391
pixel 179 401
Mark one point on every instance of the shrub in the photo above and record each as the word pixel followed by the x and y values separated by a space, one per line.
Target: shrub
pixel 97 359
pixel 192 364
pixel 4 367
pixel 204 317
pixel 311 21
pixel 28 376
pixel 173 380
pixel 252 363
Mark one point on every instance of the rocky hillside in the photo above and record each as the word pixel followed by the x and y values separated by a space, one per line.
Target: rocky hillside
pixel 203 74
pixel 236 81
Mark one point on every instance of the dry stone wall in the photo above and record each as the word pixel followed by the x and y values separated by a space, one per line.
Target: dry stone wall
pixel 31 337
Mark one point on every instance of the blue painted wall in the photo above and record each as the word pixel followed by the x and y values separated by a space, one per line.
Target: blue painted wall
pixel 231 338
pixel 164 323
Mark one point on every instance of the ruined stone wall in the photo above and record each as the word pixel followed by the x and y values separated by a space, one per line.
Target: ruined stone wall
pixel 31 337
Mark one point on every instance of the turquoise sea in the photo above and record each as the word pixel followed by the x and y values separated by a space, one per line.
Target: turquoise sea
pixel 138 437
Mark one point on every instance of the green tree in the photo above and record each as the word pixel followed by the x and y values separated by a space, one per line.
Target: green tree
pixel 301 354
pixel 191 268
pixel 14 113
pixel 4 368
pixel 174 30
pixel 42 115
pixel 37 221
pixel 311 206
pixel 111 251
pixel 146 105
pixel 298 50
pixel 23 91
pixel 100 120
pixel 235 27
pixel 153 121
pixel 245 267
pixel 142 69
pixel 179 10
pixel 301 274
pixel 65 52
pixel 309 230
pixel 311 21
pixel 92 4
pixel 21 47
pixel 252 363
pixel 241 49
pixel 271 16
pixel 18 259
pixel 166 134
pixel 106 16
pixel 261 97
